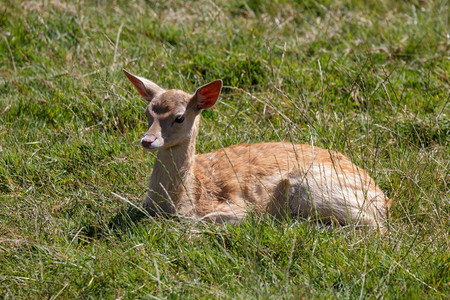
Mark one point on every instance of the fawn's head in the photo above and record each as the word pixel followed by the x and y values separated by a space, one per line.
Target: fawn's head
pixel 172 114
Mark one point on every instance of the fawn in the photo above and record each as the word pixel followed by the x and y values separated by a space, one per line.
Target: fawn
pixel 224 185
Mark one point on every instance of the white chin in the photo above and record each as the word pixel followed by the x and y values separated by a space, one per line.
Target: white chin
pixel 151 149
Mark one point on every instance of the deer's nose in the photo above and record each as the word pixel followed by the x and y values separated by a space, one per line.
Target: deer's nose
pixel 147 141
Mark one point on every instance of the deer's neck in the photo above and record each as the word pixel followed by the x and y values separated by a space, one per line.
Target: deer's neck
pixel 172 181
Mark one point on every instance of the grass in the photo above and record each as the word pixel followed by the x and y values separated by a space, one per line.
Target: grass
pixel 367 78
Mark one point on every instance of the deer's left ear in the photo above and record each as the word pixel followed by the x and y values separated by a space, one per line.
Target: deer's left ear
pixel 206 96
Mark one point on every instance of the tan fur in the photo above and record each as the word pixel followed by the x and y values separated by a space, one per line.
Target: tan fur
pixel 277 178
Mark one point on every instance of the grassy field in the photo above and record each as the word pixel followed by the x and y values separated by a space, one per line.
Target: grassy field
pixel 367 78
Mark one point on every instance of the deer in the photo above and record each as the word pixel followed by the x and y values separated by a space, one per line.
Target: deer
pixel 277 178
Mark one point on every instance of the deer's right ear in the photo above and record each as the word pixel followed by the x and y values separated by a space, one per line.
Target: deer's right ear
pixel 148 89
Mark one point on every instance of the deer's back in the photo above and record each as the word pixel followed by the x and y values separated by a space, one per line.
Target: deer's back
pixel 257 173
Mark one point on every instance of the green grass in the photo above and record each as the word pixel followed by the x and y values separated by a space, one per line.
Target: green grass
pixel 367 78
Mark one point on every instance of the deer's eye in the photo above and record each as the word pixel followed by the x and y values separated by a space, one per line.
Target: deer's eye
pixel 179 119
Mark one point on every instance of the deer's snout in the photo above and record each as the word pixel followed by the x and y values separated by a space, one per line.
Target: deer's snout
pixel 147 141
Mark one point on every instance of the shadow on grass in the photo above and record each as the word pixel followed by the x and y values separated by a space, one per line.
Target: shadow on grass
pixel 125 219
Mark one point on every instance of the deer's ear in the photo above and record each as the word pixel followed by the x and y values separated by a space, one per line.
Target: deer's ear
pixel 206 96
pixel 147 88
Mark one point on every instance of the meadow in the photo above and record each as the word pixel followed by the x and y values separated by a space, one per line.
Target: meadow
pixel 367 78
